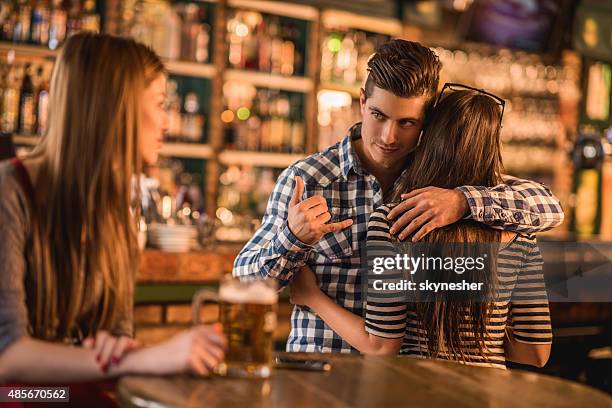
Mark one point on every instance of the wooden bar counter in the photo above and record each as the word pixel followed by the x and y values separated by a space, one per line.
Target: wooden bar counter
pixel 357 381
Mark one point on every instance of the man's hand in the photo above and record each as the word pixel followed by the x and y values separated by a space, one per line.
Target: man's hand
pixel 426 209
pixel 307 219
pixel 304 288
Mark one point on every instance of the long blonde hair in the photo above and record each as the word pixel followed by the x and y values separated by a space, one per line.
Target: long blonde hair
pixel 83 226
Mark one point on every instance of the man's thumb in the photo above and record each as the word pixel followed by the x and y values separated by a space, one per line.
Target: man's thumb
pixel 297 191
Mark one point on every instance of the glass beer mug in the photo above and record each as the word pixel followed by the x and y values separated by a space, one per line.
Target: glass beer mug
pixel 247 311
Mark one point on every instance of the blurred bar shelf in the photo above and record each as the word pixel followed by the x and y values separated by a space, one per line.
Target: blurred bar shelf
pixel 259 159
pixel 187 150
pixel 343 19
pixel 192 69
pixel 26 140
pixel 187 68
pixel 353 90
pixel 272 81
pixel 297 11
pixel 36 51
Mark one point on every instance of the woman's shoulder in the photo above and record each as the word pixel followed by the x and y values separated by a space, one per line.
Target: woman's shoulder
pixel 13 196
pixel 379 215
pixel 379 225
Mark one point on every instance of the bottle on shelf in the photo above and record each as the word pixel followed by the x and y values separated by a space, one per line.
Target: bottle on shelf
pixel 267 120
pixel 588 160
pixel 42 102
pixel 90 20
pixel 10 100
pixel 27 111
pixel 41 19
pixel 57 26
pixel 74 16
pixel 192 121
pixel 21 30
pixel 7 21
pixel 174 110
pixel 263 43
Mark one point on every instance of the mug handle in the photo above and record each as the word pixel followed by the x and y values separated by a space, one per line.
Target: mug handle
pixel 200 297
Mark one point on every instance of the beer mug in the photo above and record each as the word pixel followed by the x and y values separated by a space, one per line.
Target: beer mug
pixel 247 311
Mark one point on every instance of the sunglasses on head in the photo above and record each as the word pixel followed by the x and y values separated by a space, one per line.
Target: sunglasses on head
pixel 458 87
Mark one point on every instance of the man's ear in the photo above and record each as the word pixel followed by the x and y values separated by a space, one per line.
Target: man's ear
pixel 362 101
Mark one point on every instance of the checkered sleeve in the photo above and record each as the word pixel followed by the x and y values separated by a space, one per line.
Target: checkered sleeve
pixel 518 205
pixel 274 251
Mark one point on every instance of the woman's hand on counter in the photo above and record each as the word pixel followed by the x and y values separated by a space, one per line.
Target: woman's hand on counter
pixel 198 350
pixel 109 349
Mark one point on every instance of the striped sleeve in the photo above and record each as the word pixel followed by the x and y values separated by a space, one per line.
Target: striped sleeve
pixel 529 314
pixel 385 309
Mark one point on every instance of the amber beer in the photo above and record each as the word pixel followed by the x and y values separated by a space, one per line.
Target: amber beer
pixel 247 311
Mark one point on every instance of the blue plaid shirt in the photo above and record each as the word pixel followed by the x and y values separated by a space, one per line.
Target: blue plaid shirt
pixel 351 192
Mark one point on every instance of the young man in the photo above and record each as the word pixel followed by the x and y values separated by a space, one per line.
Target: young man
pixel 318 213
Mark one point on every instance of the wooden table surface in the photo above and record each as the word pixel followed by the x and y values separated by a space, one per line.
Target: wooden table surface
pixel 358 381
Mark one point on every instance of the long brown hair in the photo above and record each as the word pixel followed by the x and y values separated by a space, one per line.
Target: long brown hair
pixel 459 146
pixel 84 229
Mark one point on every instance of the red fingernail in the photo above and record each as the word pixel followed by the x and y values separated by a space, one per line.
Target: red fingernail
pixel 115 360
pixel 98 358
pixel 105 368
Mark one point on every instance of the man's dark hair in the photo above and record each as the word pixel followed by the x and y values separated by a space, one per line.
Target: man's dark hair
pixel 404 68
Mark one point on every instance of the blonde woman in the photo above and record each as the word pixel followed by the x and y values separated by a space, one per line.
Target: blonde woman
pixel 68 248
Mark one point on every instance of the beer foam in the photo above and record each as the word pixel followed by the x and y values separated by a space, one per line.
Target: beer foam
pixel 253 292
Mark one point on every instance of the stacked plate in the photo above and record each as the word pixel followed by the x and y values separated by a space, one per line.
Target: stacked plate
pixel 173 238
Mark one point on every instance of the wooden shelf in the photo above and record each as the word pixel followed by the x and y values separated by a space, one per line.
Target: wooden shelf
pixel 297 11
pixel 187 150
pixel 192 69
pixel 188 68
pixel 353 90
pixel 259 159
pixel 343 19
pixel 273 81
pixel 28 50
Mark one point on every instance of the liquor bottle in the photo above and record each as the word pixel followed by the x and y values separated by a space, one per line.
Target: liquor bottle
pixel 27 113
pixel 192 121
pixel 297 126
pixel 40 23
pixel 7 20
pixel 10 101
pixel 174 110
pixel 21 31
pixel 202 42
pixel 190 29
pixel 74 20
pixel 276 46
pixel 57 27
pixel 90 20
pixel 588 158
pixel 42 103
pixel 606 196
pixel 265 44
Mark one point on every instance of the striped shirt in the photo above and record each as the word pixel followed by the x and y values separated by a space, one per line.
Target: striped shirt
pixel 521 302
pixel 352 192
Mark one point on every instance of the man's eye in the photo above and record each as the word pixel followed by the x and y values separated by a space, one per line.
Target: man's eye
pixel 377 115
pixel 406 124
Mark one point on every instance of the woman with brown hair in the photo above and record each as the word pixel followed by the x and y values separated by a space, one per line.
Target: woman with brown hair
pixel 68 247
pixel 509 320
